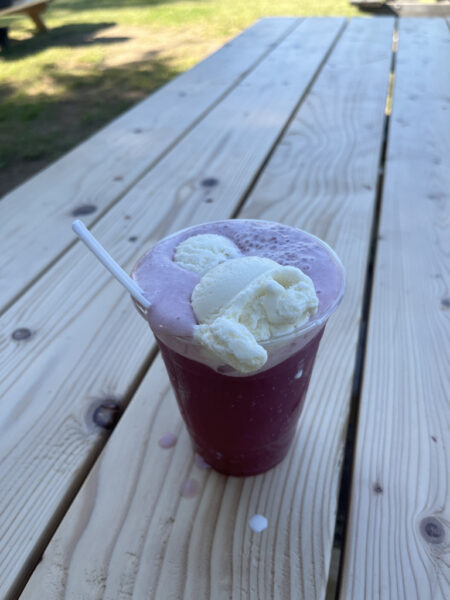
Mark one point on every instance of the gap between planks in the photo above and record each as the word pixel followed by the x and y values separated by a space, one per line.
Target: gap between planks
pixel 343 509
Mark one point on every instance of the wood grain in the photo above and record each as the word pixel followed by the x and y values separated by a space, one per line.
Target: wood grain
pixel 86 344
pixel 36 217
pixel 129 534
pixel 323 176
pixel 398 541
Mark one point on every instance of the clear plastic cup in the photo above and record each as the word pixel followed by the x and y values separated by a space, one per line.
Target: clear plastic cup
pixel 245 424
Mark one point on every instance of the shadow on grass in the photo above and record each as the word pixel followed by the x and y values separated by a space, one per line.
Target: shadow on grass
pixel 65 36
pixel 381 11
pixel 37 129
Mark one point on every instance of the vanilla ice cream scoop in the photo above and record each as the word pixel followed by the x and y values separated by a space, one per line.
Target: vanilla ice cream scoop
pixel 247 300
pixel 219 286
pixel 200 253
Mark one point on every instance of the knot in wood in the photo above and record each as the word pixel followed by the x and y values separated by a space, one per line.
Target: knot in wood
pixel 84 209
pixel 377 488
pixel 22 333
pixel 432 530
pixel 445 302
pixel 106 414
pixel 210 182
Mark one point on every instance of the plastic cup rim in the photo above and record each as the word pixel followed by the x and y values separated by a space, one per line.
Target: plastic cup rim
pixel 314 323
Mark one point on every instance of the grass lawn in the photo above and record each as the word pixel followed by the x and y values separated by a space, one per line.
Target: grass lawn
pixel 102 56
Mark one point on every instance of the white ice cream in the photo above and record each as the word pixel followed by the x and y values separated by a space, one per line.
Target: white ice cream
pixel 243 301
pixel 200 253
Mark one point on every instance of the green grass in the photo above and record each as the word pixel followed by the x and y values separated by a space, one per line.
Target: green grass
pixel 100 57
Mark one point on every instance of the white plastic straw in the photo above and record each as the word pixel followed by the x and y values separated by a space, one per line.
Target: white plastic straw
pixel 106 259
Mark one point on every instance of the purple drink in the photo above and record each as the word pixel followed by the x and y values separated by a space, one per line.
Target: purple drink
pixel 241 424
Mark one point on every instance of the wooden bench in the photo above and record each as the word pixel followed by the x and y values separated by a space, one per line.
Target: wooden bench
pixel 33 8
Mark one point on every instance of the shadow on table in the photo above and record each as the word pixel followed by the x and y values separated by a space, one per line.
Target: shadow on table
pixel 65 36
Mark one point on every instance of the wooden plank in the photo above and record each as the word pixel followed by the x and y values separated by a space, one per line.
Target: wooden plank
pixel 98 172
pixel 398 534
pixel 330 192
pixel 88 344
pixel 155 544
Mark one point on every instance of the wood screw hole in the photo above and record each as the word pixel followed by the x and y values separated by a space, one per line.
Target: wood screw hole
pixel 84 209
pixel 21 334
pixel 210 182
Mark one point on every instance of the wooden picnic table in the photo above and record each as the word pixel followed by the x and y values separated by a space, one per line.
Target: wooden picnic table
pixel 32 8
pixel 406 8
pixel 290 122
